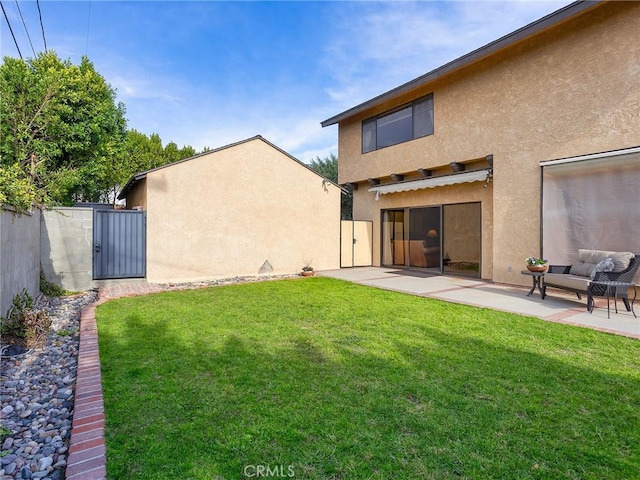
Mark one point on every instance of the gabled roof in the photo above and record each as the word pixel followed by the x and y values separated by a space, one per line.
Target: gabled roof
pixel 138 177
pixel 512 38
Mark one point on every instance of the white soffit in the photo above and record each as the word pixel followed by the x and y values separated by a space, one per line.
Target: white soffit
pixel 466 177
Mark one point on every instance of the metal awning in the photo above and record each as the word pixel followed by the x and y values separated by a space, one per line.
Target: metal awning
pixel 456 178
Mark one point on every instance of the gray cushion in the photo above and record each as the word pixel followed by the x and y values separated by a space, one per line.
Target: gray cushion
pixel 588 259
pixel 584 269
pixel 574 282
pixel 605 265
pixel 592 256
pixel 621 260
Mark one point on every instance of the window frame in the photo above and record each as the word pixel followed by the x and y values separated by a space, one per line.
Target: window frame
pixel 370 128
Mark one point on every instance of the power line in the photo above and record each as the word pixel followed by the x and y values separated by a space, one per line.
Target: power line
pixel 11 29
pixel 25 27
pixel 42 25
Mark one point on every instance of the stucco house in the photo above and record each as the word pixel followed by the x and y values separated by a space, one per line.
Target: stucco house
pixel 248 208
pixel 527 146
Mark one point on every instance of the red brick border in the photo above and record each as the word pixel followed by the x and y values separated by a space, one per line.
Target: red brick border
pixel 87 451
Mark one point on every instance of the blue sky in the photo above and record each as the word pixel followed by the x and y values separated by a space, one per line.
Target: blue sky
pixel 210 73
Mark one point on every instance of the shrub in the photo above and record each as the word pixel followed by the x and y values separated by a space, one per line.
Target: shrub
pixel 25 321
pixel 50 289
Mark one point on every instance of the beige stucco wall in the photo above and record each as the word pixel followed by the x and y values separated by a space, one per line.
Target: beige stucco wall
pixel 569 91
pixel 366 207
pixel 225 213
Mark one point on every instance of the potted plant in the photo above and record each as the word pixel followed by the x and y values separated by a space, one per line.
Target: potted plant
pixel 307 270
pixel 535 264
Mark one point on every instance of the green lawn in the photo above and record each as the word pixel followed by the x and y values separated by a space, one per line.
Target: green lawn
pixel 322 379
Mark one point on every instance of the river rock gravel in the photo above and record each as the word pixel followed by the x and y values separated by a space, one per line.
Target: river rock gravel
pixel 37 395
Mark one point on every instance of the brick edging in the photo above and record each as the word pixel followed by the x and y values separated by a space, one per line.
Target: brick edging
pixel 87 450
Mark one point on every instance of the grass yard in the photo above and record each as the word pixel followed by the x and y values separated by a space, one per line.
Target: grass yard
pixel 323 379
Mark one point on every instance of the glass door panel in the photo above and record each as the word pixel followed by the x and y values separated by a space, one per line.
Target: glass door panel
pixel 462 239
pixel 424 238
pixel 394 235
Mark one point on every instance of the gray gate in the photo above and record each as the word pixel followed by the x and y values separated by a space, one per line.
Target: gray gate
pixel 119 244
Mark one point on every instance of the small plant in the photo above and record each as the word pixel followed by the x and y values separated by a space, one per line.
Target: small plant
pixel 536 261
pixel 4 433
pixel 307 266
pixel 25 321
pixel 50 289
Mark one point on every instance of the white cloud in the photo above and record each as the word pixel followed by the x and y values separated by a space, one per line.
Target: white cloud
pixel 376 47
pixel 373 47
pixel 367 49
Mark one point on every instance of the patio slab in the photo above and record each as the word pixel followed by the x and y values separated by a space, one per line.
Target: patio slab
pixel 558 306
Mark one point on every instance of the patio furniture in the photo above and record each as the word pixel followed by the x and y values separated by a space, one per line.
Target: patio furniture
pixel 578 278
pixel 538 281
pixel 612 289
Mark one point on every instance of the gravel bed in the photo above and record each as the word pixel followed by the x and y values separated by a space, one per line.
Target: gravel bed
pixel 37 396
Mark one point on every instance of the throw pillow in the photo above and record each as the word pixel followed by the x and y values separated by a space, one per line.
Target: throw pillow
pixel 621 260
pixel 605 265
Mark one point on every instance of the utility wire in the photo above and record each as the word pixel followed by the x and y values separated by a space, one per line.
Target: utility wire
pixel 11 29
pixel 42 26
pixel 25 27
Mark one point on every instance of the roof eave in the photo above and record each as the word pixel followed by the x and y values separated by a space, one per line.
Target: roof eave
pixel 138 177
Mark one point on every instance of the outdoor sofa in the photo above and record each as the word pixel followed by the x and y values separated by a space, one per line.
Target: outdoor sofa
pixel 589 268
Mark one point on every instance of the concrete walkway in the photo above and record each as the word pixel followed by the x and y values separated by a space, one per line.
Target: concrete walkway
pixel 558 306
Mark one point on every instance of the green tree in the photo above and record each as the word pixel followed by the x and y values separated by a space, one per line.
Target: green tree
pixel 140 153
pixel 60 127
pixel 15 189
pixel 328 167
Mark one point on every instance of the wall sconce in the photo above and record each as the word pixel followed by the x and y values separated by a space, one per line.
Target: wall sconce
pixel 396 177
pixel 489 159
pixel 457 167
pixel 432 233
pixel 373 181
pixel 424 173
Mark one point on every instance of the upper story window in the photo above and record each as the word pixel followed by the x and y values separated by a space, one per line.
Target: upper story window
pixel 406 123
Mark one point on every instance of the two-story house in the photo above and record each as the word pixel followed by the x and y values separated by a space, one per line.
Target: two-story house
pixel 527 146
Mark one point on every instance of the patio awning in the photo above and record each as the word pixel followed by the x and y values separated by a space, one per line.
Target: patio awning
pixel 464 177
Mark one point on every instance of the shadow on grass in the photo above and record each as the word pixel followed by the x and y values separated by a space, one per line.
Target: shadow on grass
pixel 436 404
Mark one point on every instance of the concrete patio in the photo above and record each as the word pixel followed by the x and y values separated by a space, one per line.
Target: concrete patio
pixel 558 306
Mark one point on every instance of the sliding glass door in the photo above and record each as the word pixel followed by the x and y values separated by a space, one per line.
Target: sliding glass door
pixel 442 238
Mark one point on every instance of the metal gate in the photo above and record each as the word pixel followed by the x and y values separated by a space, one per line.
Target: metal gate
pixel 119 244
pixel 356 244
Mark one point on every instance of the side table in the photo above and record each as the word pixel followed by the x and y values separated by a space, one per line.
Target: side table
pixel 538 280
pixel 611 289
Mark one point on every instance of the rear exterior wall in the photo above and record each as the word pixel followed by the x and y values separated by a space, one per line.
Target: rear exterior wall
pixel 568 91
pixel 227 213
